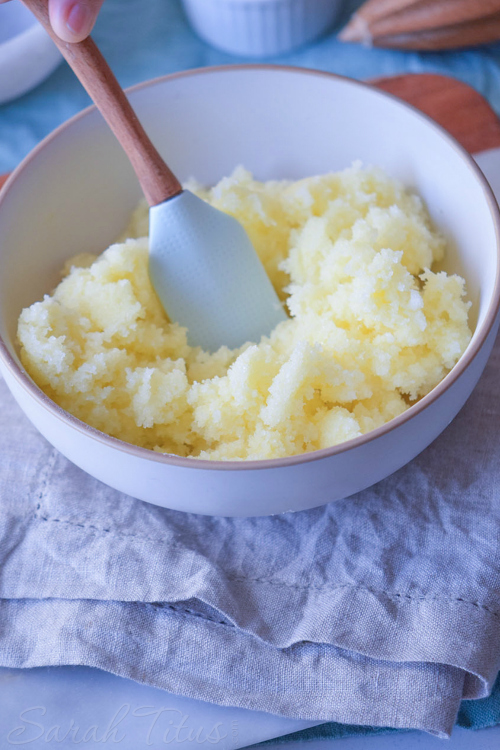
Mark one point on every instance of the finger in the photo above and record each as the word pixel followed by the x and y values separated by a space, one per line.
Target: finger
pixel 73 20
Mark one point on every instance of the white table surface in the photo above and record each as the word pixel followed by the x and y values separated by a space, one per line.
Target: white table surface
pixel 63 707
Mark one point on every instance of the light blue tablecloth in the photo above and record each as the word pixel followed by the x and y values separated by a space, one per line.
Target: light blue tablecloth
pixel 147 38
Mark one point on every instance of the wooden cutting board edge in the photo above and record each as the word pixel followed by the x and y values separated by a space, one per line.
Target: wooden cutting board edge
pixel 453 104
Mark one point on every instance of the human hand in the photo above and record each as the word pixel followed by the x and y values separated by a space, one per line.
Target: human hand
pixel 72 20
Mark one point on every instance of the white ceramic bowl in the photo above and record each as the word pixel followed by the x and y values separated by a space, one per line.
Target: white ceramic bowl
pixel 75 191
pixel 260 28
pixel 27 53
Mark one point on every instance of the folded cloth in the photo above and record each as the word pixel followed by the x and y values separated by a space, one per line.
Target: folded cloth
pixel 381 609
pixel 473 714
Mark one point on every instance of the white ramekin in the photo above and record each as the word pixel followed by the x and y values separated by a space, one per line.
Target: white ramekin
pixel 260 28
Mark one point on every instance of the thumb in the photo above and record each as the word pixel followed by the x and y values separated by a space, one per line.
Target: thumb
pixel 73 20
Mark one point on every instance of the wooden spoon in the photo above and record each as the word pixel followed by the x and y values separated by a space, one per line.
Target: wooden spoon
pixel 201 261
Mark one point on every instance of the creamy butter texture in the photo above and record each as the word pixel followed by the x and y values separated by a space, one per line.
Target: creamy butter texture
pixel 372 328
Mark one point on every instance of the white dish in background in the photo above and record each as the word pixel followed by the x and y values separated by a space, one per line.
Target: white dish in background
pixel 27 54
pixel 260 28
pixel 78 189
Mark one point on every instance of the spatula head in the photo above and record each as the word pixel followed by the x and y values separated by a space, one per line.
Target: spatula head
pixel 208 276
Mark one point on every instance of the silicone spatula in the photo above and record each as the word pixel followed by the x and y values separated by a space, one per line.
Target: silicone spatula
pixel 202 264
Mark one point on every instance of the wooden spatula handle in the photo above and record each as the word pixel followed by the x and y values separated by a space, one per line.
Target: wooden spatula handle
pixel 156 179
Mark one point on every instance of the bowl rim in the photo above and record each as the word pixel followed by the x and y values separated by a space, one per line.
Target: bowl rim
pixel 463 363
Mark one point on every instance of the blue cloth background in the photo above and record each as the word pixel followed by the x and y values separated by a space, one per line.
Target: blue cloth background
pixel 147 38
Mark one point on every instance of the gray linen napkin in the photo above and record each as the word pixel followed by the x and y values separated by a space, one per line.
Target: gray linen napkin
pixel 381 609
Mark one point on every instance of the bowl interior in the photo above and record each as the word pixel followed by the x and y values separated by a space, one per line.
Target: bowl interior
pixel 75 192
pixel 14 19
